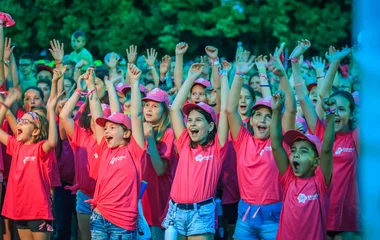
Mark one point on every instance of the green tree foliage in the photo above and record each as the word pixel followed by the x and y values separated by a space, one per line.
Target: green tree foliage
pixel 113 25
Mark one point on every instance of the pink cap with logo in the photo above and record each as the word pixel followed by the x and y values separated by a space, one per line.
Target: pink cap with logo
pixel 188 107
pixel 157 95
pixel 126 88
pixel 293 135
pixel 266 102
pixel 120 87
pixel 118 118
pixel 201 81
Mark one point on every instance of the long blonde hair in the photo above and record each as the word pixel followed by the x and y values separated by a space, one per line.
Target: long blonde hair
pixel 164 123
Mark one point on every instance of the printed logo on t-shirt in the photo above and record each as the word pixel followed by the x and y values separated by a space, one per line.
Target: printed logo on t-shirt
pixel 302 198
pixel 346 150
pixel 96 155
pixel 200 158
pixel 116 159
pixel 29 159
pixel 267 148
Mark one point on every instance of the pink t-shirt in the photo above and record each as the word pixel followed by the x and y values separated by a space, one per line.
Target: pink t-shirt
pixel 305 207
pixel 198 170
pixel 86 159
pixel 157 193
pixel 28 189
pixel 344 200
pixel 256 169
pixel 118 185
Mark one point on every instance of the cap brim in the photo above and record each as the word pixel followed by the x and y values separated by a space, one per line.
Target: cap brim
pixel 310 86
pixel 292 135
pixel 262 105
pixel 102 121
pixel 151 99
pixel 188 107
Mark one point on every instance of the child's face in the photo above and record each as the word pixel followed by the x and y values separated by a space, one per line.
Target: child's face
pixel 114 135
pixel 153 112
pixel 255 83
pixel 121 97
pixel 313 95
pixel 198 127
pixel 32 98
pixel 45 89
pixel 67 85
pixel 26 66
pixel 303 158
pixel 69 71
pixel 44 75
pixel 77 43
pixel 198 94
pixel 245 102
pixel 342 114
pixel 260 122
pixel 26 129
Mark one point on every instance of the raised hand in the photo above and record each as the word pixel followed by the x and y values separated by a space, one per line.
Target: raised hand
pixel 81 82
pixel 195 70
pixel 52 101
pixel 261 63
pixel 278 100
pixel 81 63
pixel 244 63
pixel 148 130
pixel 58 74
pixel 112 61
pixel 302 46
pixel 181 48
pixel 164 65
pixel 212 52
pixel 318 63
pixel 13 96
pixel 8 49
pixel 336 55
pixel 133 73
pixel 278 51
pixel 226 66
pixel 132 54
pixel 329 105
pixel 56 50
pixel 206 66
pixel 276 67
pixel 152 55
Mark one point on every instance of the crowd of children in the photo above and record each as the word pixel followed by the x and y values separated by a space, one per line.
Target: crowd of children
pixel 277 145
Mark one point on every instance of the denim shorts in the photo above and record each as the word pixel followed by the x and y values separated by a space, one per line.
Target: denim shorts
pixel 82 206
pixel 200 220
pixel 257 221
pixel 102 229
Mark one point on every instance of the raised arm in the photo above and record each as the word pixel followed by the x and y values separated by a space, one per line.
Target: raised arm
pixel 52 140
pixel 112 64
pixel 13 96
pixel 10 63
pixel 223 121
pixel 132 57
pixel 150 60
pixel 57 77
pixel 212 53
pixel 2 77
pixel 326 158
pixel 319 67
pixel 180 50
pixel 279 153
pixel 243 66
pixel 112 95
pixel 164 68
pixel 57 52
pixel 136 105
pixel 176 108
pixel 261 63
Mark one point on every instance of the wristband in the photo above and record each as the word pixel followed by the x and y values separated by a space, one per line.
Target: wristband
pixel 214 61
pixel 295 60
pixel 300 84
pixel 330 111
pixel 263 76
pixel 58 62
pixel 264 85
pixel 91 92
pixel 151 67
pixel 79 92
pixel 240 74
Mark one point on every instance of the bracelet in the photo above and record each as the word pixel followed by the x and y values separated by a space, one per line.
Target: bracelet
pixel 300 84
pixel 58 62
pixel 5 105
pixel 318 77
pixel 264 85
pixel 91 92
pixel 151 67
pixel 79 92
pixel 262 71
pixel 295 60
pixel 264 76
pixel 330 111
pixel 240 74
pixel 214 61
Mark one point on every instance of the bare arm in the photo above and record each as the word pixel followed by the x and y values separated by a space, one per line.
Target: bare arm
pixel 160 165
pixel 112 95
pixel 178 70
pixel 223 121
pixel 261 63
pixel 326 157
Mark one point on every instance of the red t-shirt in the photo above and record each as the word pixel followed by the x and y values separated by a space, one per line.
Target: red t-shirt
pixel 256 169
pixel 305 208
pixel 86 159
pixel 344 200
pixel 118 185
pixel 28 189
pixel 198 170
pixel 157 193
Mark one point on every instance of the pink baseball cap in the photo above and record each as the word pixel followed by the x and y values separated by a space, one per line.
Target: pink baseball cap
pixel 302 121
pixel 266 102
pixel 106 110
pixel 118 118
pixel 293 135
pixel 201 81
pixel 188 107
pixel 120 87
pixel 7 20
pixel 157 95
pixel 127 88
pixel 311 85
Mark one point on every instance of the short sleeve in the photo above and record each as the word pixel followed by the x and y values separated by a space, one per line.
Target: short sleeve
pixel 287 178
pixel 78 135
pixel 319 129
pixel 136 151
pixel 12 145
pixel 166 145
pixel 183 140
pixel 242 137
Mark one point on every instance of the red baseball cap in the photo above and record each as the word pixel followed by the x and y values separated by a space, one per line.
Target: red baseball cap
pixel 266 102
pixel 188 107
pixel 7 20
pixel 311 85
pixel 45 68
pixel 293 135
pixel 201 81
pixel 157 95
pixel 118 118
pixel 127 88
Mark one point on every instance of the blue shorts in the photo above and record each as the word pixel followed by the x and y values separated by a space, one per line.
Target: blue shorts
pixel 200 220
pixel 82 206
pixel 257 221
pixel 102 229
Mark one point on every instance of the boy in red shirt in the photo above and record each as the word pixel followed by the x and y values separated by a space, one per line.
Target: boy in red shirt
pixel 306 187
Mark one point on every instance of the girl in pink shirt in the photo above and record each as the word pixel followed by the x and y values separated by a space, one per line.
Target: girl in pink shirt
pixel 306 187
pixel 261 194
pixel 121 152
pixel 202 149
pixel 32 152
pixel 343 218
pixel 161 159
